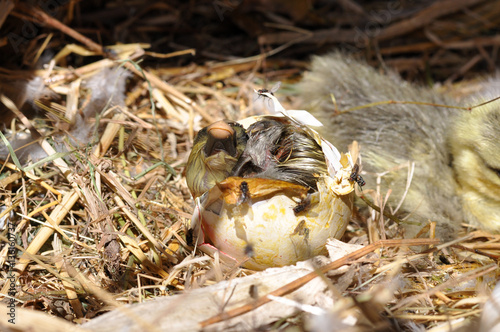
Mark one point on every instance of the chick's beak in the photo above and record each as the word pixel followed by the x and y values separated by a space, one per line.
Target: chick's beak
pixel 221 137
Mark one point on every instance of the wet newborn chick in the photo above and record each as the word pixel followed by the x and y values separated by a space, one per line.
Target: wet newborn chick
pixel 280 151
pixel 455 153
pixel 216 150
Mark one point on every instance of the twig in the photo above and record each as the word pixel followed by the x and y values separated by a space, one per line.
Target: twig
pixel 424 17
pixel 50 21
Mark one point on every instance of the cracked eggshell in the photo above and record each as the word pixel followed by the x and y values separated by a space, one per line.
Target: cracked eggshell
pixel 266 224
pixel 260 228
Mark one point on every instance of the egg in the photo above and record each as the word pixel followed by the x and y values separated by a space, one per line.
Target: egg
pixel 260 221
pixel 265 230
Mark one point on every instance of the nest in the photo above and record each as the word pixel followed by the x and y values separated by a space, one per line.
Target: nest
pixel 100 224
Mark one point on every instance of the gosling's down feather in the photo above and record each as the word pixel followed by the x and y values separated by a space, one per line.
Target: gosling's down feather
pixel 455 152
pixel 106 89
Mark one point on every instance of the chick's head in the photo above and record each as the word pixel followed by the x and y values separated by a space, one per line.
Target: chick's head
pixel 216 150
pixel 475 146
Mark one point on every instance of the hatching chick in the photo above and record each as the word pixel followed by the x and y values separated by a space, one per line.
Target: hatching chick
pixel 455 153
pixel 216 149
pixel 281 151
